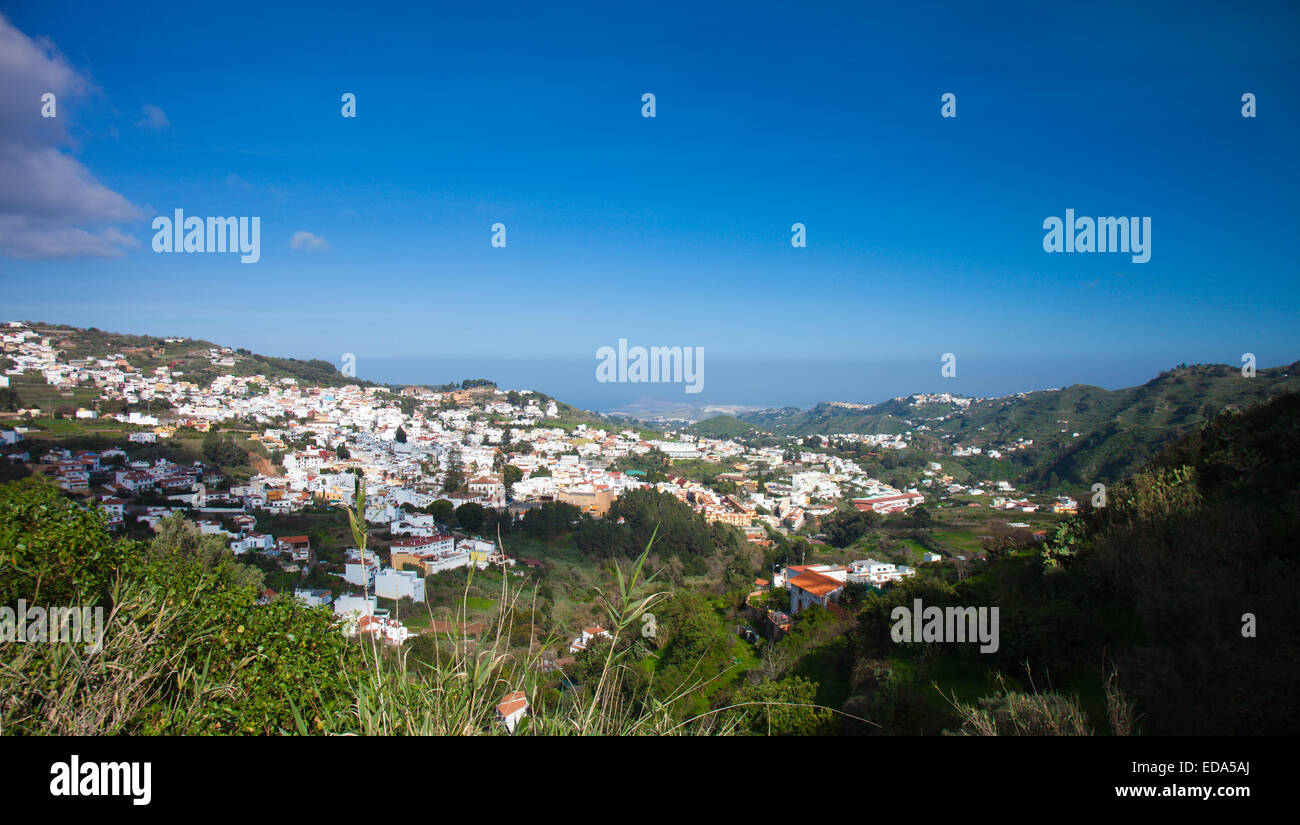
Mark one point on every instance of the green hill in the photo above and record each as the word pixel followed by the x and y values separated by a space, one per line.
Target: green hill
pixel 1184 550
pixel 1119 430
pixel 724 426
pixel 1162 586
pixel 829 417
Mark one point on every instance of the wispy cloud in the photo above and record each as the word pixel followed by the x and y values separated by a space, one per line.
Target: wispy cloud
pixel 154 117
pixel 51 206
pixel 308 242
pixel 234 181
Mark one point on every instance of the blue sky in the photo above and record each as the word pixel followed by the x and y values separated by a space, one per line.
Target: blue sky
pixel 924 233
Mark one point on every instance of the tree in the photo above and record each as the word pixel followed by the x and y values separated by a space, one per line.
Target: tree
pixel 854 593
pixel 1004 539
pixel 443 511
pixel 845 527
pixel 739 574
pixel 53 551
pixel 455 477
pixel 785 708
pixel 179 537
pixel 470 516
pixel 510 474
pixel 222 451
pixel 400 436
pixel 550 520
pixel 9 400
pixel 695 632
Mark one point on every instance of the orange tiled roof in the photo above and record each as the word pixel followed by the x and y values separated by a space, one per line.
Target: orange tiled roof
pixel 816 583
pixel 512 702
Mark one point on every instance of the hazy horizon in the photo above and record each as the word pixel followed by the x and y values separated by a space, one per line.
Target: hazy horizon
pixel 749 382
pixel 760 383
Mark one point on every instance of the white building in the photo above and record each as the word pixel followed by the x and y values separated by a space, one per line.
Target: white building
pixel 819 584
pixel 354 572
pixel 877 573
pixel 384 628
pixel 397 584
pixel 586 637
pixel 354 604
pixel 313 598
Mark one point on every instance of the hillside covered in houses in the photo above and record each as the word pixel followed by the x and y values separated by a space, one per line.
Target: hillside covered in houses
pixel 617 574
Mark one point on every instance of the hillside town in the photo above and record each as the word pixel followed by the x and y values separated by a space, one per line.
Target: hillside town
pixel 414 446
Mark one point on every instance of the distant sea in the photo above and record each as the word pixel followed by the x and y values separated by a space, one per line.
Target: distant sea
pixel 779 382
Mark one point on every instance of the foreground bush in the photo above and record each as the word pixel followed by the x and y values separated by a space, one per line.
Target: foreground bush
pixel 188 649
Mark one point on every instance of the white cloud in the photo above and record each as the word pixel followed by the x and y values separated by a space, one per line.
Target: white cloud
pixel 21 238
pixel 307 241
pixel 154 117
pixel 51 206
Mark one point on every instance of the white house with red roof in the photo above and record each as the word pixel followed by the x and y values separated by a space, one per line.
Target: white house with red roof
pixel 491 489
pixel 819 584
pixel 888 504
pixel 512 708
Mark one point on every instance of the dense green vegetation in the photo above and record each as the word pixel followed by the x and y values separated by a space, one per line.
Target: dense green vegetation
pixel 186 648
pixel 724 426
pixel 222 451
pixel 314 372
pixel 1155 585
pixel 10 401
pixel 1120 430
